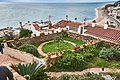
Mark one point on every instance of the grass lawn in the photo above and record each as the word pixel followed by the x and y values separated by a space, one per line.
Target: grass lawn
pixel 37 44
pixel 53 47
pixel 78 42
pixel 99 62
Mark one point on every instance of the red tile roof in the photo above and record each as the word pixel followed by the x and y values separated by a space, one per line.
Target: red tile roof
pixel 36 26
pixel 108 34
pixel 64 23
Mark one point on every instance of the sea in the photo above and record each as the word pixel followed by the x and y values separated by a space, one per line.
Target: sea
pixel 12 13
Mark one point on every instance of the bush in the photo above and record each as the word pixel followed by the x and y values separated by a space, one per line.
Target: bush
pixel 25 33
pixel 70 61
pixel 109 54
pixel 30 49
pixel 92 76
pixel 106 54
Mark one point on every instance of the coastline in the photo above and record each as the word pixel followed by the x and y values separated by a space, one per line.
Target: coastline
pixel 100 19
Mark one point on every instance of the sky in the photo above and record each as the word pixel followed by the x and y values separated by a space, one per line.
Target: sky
pixel 49 1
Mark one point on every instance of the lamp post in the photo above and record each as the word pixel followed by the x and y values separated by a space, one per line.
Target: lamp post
pixel 49 18
pixel 85 21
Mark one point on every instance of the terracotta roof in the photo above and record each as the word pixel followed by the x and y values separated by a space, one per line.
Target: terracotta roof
pixel 36 26
pixel 108 34
pixel 64 23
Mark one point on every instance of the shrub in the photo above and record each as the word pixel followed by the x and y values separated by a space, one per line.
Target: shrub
pixel 70 61
pixel 109 54
pixel 30 49
pixel 106 53
pixel 25 33
pixel 92 76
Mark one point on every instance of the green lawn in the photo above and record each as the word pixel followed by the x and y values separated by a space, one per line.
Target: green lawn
pixel 53 47
pixel 37 44
pixel 78 42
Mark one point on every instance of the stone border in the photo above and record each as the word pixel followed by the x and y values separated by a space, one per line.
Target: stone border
pixel 44 54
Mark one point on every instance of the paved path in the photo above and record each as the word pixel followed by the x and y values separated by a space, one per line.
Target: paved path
pixel 95 70
pixel 44 54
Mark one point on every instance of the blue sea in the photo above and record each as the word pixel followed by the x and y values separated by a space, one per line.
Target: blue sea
pixel 13 13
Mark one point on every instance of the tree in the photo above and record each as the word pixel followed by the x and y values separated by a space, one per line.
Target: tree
pixel 25 33
pixel 50 25
pixel 31 71
pixel 30 49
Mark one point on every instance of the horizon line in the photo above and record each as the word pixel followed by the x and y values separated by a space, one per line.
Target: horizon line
pixel 56 2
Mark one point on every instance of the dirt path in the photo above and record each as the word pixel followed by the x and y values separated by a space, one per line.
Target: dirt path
pixel 95 70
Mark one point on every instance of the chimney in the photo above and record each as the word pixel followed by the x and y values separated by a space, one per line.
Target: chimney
pixel 93 23
pixel 42 21
pixel 105 26
pixel 66 17
pixel 28 21
pixel 75 19
pixel 21 25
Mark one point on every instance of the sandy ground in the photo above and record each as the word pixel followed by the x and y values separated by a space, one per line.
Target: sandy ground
pixel 100 19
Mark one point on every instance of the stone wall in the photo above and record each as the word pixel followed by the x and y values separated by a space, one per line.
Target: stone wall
pixel 117 46
pixel 88 39
pixel 80 37
pixel 48 37
pixel 28 40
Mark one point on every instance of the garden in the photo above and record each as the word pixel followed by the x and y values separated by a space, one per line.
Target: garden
pixel 90 56
pixel 59 44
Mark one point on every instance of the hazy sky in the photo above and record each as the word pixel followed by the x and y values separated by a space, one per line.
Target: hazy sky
pixel 56 0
